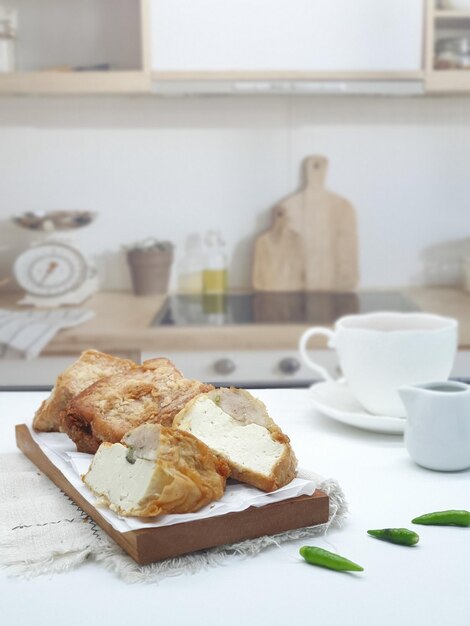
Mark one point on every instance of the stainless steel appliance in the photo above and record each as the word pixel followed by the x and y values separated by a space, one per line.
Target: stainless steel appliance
pixel 275 308
pixel 264 368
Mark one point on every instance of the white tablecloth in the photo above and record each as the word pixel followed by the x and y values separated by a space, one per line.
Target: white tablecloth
pixel 427 585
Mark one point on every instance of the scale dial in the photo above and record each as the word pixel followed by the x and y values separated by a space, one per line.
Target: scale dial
pixel 50 269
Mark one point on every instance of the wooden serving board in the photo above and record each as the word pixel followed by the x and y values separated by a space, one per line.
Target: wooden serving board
pixel 155 544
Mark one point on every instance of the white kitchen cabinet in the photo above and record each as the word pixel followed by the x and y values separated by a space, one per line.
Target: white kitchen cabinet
pixel 298 37
pixel 251 367
pixel 264 368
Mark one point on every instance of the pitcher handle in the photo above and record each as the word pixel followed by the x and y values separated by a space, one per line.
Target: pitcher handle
pixel 308 334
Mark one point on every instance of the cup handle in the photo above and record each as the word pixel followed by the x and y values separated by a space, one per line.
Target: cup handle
pixel 308 334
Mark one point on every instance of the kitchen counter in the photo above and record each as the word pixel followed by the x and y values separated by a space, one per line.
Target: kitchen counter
pixel 122 325
pixel 426 584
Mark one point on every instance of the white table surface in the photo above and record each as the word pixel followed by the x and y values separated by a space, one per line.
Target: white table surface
pixel 426 585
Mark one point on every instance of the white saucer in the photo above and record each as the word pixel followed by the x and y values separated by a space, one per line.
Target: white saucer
pixel 335 400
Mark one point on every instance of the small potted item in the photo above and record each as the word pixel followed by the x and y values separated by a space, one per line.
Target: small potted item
pixel 150 264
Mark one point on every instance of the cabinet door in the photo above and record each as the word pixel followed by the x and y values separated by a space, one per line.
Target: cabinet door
pixel 287 35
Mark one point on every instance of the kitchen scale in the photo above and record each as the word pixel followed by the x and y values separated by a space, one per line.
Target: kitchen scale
pixel 54 272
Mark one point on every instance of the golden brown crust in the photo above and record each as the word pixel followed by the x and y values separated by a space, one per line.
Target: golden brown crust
pixel 243 407
pixel 151 393
pixel 186 477
pixel 198 476
pixel 91 366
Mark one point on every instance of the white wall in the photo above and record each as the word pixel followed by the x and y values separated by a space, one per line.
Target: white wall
pixel 170 167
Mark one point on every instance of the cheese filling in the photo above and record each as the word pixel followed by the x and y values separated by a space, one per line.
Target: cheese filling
pixel 250 446
pixel 113 477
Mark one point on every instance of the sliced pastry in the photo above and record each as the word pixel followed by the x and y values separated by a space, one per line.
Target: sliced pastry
pixel 236 426
pixel 153 392
pixel 156 470
pixel 90 367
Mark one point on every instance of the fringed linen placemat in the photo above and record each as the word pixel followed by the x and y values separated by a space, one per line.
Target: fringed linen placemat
pixel 42 531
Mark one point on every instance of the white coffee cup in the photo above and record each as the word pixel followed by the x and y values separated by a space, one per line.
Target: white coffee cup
pixel 437 429
pixel 380 352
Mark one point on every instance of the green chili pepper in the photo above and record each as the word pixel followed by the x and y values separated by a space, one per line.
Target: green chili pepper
pixel 444 518
pixel 402 536
pixel 323 558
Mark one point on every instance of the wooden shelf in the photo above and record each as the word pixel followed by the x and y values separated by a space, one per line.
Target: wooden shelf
pixel 62 83
pixel 451 15
pixel 448 81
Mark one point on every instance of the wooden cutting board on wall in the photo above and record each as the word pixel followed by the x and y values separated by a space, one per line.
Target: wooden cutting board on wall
pixel 312 243
pixel 279 260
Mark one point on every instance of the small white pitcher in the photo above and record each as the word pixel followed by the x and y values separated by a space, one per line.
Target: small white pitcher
pixel 437 430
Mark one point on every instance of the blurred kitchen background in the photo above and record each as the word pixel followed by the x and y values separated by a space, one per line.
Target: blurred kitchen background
pixel 156 191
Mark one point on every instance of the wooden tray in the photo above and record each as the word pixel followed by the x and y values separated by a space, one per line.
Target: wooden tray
pixel 154 544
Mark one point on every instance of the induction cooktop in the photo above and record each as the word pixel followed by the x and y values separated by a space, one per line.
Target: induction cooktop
pixel 275 308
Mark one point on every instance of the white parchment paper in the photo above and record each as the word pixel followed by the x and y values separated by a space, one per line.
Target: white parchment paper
pixel 62 453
